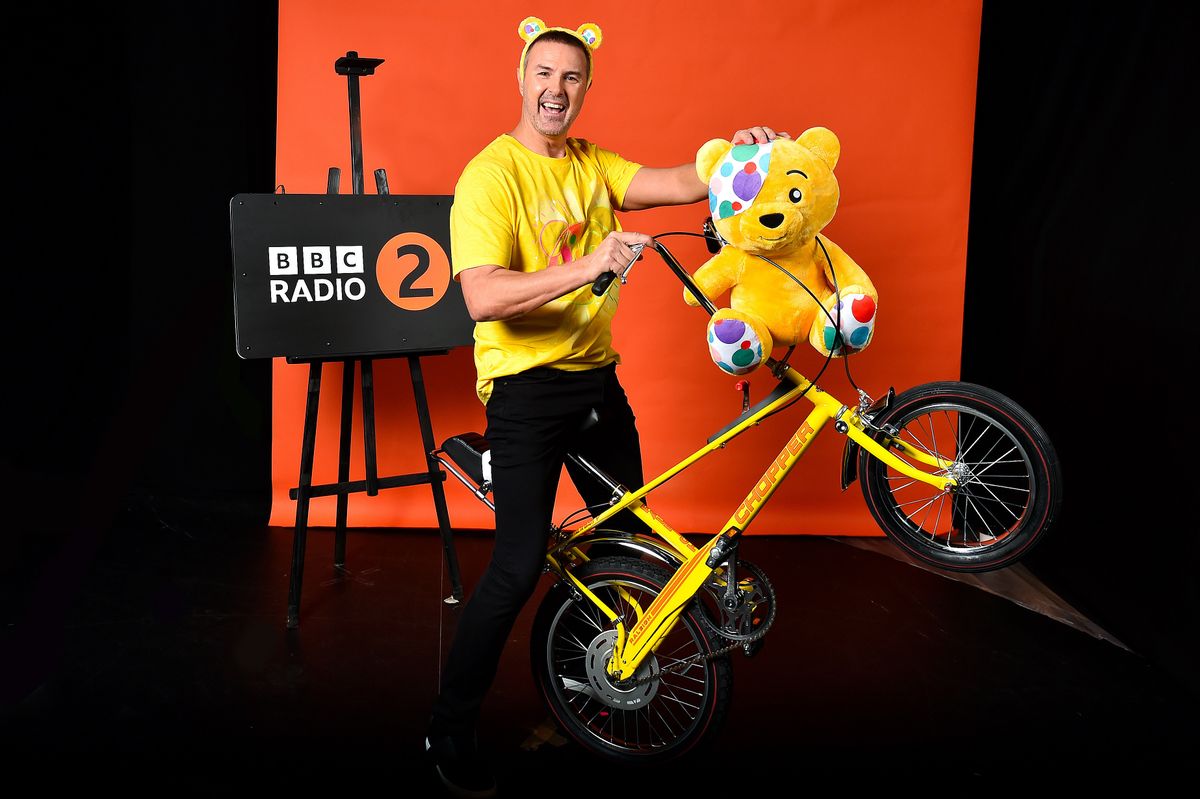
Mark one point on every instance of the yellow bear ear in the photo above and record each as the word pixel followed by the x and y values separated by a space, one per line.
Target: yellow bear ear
pixel 530 27
pixel 709 155
pixel 590 33
pixel 823 144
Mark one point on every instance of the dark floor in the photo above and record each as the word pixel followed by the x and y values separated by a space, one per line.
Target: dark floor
pixel 174 669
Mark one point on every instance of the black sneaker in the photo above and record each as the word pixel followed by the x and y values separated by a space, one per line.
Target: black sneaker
pixel 460 767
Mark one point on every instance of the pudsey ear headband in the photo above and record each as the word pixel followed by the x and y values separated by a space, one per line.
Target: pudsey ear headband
pixel 532 28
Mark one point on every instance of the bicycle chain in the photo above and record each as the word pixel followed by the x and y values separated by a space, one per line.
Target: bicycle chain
pixel 686 663
pixel 701 656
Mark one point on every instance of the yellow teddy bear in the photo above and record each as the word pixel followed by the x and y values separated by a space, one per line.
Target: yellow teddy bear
pixel 771 200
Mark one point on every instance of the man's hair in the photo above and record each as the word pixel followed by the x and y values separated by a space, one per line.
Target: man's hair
pixel 562 38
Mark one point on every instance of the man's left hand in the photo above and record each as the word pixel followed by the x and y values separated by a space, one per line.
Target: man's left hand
pixel 759 134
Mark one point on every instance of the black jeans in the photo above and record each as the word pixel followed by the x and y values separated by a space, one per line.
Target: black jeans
pixel 534 419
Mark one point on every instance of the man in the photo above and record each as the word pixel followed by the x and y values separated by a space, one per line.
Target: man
pixel 533 224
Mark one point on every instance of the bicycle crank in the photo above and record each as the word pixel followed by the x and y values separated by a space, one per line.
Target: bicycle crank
pixel 744 614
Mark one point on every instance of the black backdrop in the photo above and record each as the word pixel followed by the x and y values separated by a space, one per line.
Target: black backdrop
pixel 129 132
pixel 1079 269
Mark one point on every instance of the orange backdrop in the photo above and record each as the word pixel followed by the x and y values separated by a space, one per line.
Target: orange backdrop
pixel 894 81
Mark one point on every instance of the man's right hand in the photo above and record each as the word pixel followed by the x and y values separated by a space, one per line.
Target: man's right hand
pixel 613 254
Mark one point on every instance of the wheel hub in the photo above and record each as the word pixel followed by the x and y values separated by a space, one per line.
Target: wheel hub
pixel 626 694
pixel 961 472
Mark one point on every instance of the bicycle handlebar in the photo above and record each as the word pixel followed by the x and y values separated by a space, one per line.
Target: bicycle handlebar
pixel 601 284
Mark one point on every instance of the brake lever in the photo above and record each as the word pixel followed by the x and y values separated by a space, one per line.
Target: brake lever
pixel 601 284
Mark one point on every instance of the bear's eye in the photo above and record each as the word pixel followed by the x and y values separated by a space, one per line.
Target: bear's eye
pixel 794 195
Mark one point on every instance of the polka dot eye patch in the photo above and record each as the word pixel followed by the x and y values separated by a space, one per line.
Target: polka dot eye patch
pixel 738 179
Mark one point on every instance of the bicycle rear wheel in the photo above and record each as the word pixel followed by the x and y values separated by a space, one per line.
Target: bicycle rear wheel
pixel 658 720
pixel 1009 479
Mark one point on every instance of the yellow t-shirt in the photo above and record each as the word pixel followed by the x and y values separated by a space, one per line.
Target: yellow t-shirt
pixel 520 210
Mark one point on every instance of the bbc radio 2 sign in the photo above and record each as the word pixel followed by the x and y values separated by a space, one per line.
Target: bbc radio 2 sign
pixel 285 263
pixel 329 276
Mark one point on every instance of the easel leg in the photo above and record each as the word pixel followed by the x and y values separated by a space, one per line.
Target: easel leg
pixel 369 454
pixel 343 499
pixel 435 475
pixel 302 494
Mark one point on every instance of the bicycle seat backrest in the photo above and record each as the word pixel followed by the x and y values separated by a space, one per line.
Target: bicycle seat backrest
pixel 472 453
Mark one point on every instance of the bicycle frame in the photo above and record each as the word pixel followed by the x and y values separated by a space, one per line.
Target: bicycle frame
pixel 653 623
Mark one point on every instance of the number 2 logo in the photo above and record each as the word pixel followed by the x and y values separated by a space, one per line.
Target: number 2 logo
pixel 413 271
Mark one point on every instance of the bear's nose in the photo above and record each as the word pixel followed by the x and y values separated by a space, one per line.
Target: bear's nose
pixel 771 220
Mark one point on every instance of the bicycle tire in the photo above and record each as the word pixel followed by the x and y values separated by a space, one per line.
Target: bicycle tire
pixel 687 708
pixel 1010 480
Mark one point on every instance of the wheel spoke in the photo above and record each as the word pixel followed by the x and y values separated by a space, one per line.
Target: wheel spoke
pixel 683 645
pixel 671 730
pixel 918 510
pixel 937 522
pixel 980 507
pixel 685 689
pixel 685 676
pixel 999 501
pixel 985 465
pixel 586 615
pixel 564 660
pixel 917 439
pixel 574 639
pixel 933 435
pixel 924 518
pixel 954 427
pixel 670 692
pixel 983 522
pixel 976 466
pixel 664 705
pixel 1001 487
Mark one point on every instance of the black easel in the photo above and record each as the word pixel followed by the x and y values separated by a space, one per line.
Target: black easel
pixel 353 67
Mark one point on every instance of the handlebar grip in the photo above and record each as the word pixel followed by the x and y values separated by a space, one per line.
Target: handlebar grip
pixel 600 285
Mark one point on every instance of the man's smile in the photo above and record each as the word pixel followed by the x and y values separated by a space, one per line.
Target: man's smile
pixel 553 106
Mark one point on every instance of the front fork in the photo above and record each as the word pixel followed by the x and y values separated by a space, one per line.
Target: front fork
pixel 864 417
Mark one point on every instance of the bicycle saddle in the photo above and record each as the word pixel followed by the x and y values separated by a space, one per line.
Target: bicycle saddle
pixel 473 455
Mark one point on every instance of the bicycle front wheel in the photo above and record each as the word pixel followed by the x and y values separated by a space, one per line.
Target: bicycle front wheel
pixel 645 721
pixel 1009 479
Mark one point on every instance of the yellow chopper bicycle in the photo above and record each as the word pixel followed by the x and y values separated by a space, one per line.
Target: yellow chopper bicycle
pixel 630 649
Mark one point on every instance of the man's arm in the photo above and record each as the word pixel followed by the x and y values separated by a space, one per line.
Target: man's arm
pixel 652 187
pixel 680 185
pixel 493 293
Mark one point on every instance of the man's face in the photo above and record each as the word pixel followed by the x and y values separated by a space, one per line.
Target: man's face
pixel 553 87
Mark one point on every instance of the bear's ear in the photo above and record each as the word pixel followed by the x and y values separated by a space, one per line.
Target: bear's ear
pixel 590 33
pixel 823 144
pixel 530 27
pixel 709 155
